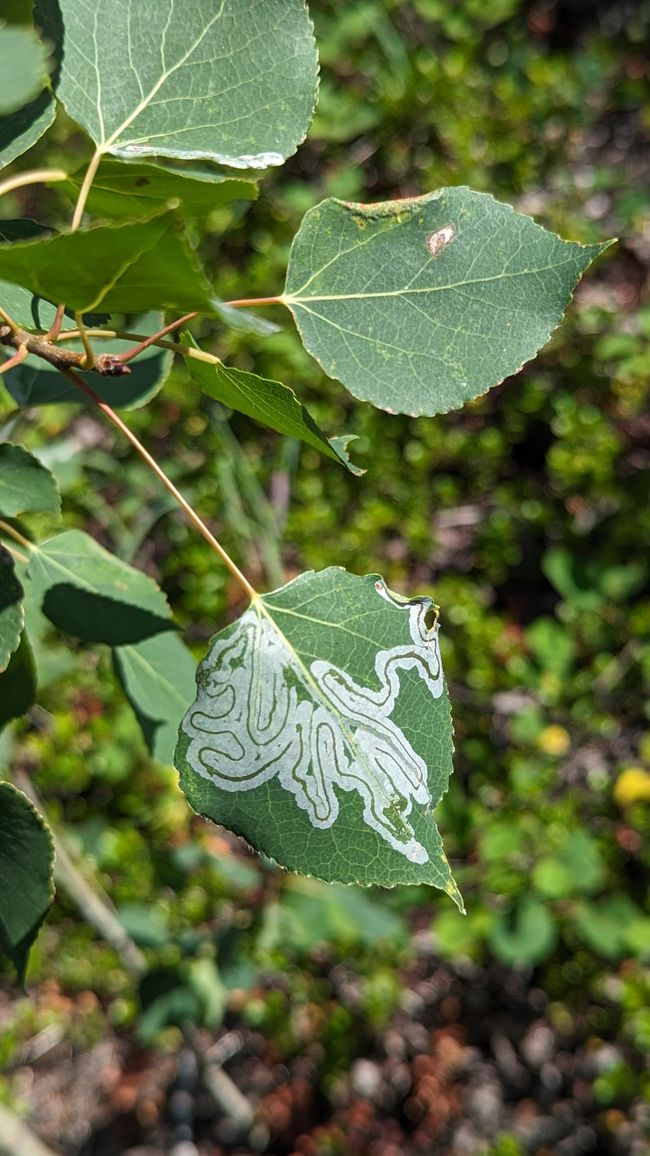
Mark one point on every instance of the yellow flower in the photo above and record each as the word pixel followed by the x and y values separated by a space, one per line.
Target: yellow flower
pixel 554 740
pixel 632 786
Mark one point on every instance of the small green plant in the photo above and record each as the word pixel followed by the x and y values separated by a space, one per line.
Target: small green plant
pixel 320 728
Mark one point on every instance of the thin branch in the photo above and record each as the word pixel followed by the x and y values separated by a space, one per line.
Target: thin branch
pixel 84 191
pixel 5 528
pixel 191 514
pixel 17 359
pixel 155 339
pixel 16 1139
pixel 221 1086
pixel 35 177
pixel 93 904
pixel 107 364
pixel 123 335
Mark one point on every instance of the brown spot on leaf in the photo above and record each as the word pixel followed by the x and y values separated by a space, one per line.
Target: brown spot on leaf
pixel 438 240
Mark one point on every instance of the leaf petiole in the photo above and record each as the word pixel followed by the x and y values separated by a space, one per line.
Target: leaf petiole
pixel 35 177
pixel 11 532
pixel 17 359
pixel 155 339
pixel 151 462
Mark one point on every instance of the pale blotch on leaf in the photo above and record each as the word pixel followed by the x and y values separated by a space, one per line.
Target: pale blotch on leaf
pixel 438 240
pixel 261 714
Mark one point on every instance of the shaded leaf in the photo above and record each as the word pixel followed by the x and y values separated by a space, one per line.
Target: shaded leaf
pixel 332 913
pixel 232 81
pixel 25 484
pixel 26 870
pixel 166 997
pixel 52 660
pixel 35 382
pixel 23 67
pixel 307 735
pixel 19 131
pixel 604 924
pixel 158 678
pixel 269 402
pixel 18 684
pixel 23 307
pixel 12 617
pixel 93 595
pixel 133 189
pixel 127 268
pixel 420 305
pixel 524 937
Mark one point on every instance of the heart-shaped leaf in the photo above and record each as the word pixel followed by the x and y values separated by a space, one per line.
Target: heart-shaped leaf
pixel 232 81
pixel 26 870
pixel 321 732
pixel 25 484
pixel 420 305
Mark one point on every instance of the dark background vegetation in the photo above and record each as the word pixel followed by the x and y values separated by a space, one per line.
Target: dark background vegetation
pixel 383 1023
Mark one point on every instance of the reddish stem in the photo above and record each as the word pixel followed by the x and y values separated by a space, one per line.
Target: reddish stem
pixel 55 328
pixel 244 302
pixel 131 353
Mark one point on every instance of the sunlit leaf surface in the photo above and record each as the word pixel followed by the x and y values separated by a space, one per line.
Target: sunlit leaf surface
pixel 321 732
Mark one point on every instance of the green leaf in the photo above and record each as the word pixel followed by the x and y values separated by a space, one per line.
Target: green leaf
pixel 604 924
pixel 35 382
pixel 331 913
pixel 17 684
pixel 52 657
pixel 420 305
pixel 23 67
pixel 12 615
pixel 22 306
pixel 232 81
pixel 128 268
pixel 525 936
pixel 26 870
pixel 307 734
pixel 158 678
pixel 93 595
pixel 269 402
pixel 134 189
pixel 26 486
pixel 21 130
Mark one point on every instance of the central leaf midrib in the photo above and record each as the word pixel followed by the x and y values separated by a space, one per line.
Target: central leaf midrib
pixel 146 100
pixel 292 299
pixel 317 692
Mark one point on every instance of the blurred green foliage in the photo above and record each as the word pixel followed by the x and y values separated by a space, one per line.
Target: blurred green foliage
pixel 525 516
